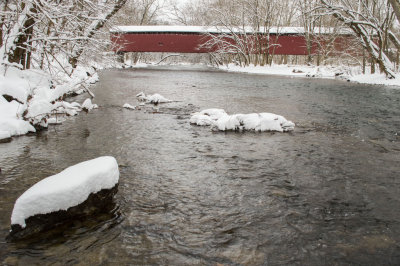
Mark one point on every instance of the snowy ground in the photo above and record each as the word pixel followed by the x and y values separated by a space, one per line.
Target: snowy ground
pixel 345 73
pixel 352 74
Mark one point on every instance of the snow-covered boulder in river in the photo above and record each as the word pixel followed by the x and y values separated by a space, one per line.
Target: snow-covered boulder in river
pixel 77 191
pixel 87 105
pixel 154 99
pixel 220 120
pixel 128 106
pixel 207 117
pixel 5 136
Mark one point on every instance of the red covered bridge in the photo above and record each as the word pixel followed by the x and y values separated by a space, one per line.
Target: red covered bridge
pixel 190 39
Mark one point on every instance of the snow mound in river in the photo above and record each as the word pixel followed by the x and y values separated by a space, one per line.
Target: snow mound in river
pixel 155 98
pixel 219 119
pixel 128 106
pixel 66 189
pixel 88 105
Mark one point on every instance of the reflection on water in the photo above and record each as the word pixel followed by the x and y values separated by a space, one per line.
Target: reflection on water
pixel 325 194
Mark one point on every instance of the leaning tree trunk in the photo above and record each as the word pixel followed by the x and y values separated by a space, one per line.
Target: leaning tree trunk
pixel 92 30
pixel 396 7
pixel 14 47
pixel 22 54
pixel 358 28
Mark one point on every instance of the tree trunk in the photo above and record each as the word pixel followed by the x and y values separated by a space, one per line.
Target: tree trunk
pixel 92 30
pixel 372 66
pixel 3 8
pixel 364 62
pixel 22 54
pixel 396 7
pixel 14 48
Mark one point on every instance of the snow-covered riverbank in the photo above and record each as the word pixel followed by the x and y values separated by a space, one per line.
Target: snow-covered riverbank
pixel 344 73
pixel 29 98
pixel 351 74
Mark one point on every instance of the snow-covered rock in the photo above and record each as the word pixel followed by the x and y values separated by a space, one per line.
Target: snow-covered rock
pixel 66 189
pixel 4 135
pixel 128 106
pixel 220 120
pixel 154 99
pixel 88 105
pixel 207 117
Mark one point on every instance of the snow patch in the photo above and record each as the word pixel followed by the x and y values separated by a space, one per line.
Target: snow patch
pixel 353 74
pixel 15 127
pixel 66 189
pixel 220 120
pixel 10 121
pixel 55 120
pixel 128 106
pixel 207 117
pixel 154 99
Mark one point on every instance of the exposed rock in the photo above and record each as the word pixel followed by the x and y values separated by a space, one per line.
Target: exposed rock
pixel 297 71
pixel 5 136
pixel 5 140
pixel 10 98
pixel 96 203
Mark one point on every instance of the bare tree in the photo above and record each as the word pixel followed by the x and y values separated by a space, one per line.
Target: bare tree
pixel 309 21
pixel 396 7
pixel 53 32
pixel 371 21
pixel 248 29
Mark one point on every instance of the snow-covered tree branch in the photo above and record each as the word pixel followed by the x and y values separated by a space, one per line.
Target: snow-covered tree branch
pixel 371 22
pixel 52 33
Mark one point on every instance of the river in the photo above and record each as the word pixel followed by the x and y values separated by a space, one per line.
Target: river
pixel 325 194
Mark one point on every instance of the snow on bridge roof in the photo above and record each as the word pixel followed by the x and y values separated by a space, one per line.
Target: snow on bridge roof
pixel 204 29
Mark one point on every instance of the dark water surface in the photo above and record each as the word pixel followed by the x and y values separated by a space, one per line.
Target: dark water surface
pixel 326 194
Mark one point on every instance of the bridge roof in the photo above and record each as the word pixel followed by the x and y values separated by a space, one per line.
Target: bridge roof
pixel 204 29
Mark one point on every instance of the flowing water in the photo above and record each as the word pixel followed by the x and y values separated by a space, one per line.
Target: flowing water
pixel 325 194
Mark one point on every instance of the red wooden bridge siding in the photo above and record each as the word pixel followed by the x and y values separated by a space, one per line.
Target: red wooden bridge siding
pixel 158 42
pixel 288 44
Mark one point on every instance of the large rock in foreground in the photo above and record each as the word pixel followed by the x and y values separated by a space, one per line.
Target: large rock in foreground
pixel 80 190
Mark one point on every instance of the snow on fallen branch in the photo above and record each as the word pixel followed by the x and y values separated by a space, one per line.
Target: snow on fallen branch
pixel 218 119
pixel 178 55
